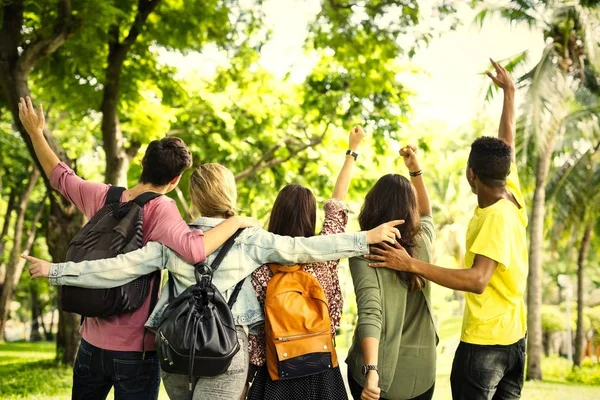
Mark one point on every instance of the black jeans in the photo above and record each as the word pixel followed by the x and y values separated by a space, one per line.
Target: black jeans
pixel 486 372
pixel 356 390
pixel 96 371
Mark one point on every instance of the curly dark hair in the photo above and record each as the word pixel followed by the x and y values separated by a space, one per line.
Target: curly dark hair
pixel 490 160
pixel 392 198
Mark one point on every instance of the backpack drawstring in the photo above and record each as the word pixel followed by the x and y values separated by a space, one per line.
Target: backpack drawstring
pixel 193 351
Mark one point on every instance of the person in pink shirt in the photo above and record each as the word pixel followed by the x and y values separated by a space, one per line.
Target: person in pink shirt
pixel 121 354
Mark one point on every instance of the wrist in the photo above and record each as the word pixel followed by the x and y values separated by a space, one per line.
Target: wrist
pixel 36 132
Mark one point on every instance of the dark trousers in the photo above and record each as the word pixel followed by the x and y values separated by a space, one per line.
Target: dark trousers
pixel 96 371
pixel 482 372
pixel 356 390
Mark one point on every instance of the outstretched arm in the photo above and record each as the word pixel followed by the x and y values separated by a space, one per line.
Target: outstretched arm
pixel 343 181
pixel 416 178
pixel 474 279
pixel 503 80
pixel 34 125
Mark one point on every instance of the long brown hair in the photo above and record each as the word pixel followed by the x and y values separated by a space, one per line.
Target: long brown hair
pixel 294 212
pixel 391 198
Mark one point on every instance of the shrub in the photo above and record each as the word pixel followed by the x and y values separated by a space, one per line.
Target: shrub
pixel 587 374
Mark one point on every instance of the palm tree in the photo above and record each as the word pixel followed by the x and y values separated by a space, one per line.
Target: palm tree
pixel 574 205
pixel 570 29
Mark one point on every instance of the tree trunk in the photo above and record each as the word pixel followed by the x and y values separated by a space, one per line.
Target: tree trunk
pixel 5 225
pixel 16 63
pixel 117 156
pixel 12 271
pixel 36 314
pixel 581 259
pixel 61 228
pixel 534 280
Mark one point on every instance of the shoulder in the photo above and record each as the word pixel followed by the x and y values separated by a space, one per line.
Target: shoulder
pixel 359 263
pixel 161 204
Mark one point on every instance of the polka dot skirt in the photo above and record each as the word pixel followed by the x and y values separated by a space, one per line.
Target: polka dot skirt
pixel 327 385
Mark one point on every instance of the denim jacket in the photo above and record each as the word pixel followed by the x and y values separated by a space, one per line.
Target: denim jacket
pixel 252 248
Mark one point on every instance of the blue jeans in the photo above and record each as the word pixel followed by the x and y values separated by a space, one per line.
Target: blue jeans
pixel 96 371
pixel 488 372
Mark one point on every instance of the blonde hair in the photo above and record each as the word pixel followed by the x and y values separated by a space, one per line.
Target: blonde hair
pixel 213 191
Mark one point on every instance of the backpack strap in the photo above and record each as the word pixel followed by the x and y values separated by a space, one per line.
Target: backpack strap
pixel 224 250
pixel 236 292
pixel 145 197
pixel 171 284
pixel 114 194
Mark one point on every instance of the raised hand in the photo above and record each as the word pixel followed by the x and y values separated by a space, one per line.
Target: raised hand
pixel 409 155
pixel 356 136
pixel 502 79
pixel 32 122
pixel 38 267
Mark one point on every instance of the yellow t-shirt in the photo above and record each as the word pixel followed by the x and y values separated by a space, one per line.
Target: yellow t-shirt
pixel 498 315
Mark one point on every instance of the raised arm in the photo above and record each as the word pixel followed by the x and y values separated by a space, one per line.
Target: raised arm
pixel 416 178
pixel 343 180
pixel 503 80
pixel 34 125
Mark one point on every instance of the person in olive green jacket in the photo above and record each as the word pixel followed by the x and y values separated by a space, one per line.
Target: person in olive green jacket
pixel 393 353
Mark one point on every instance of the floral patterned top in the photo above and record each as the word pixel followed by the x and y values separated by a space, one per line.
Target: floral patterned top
pixel 336 219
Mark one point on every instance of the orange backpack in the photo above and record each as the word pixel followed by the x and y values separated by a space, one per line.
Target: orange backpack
pixel 297 325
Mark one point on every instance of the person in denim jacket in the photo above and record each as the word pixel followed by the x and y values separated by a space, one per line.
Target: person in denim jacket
pixel 213 193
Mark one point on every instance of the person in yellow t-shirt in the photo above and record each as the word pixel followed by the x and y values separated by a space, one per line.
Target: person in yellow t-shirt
pixel 490 360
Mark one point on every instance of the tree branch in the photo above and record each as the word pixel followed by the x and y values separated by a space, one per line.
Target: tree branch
pixel 145 7
pixel 66 25
pixel 262 165
pixel 184 203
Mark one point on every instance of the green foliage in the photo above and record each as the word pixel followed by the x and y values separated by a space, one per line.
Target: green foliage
pixel 587 374
pixel 553 319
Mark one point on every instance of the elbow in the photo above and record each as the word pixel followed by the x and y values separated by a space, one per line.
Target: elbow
pixel 478 285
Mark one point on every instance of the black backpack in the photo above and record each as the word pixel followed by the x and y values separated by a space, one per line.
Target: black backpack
pixel 196 335
pixel 115 229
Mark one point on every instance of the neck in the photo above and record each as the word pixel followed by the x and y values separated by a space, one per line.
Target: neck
pixel 148 187
pixel 487 196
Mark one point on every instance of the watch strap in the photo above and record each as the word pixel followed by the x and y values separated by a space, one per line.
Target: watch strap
pixel 352 154
pixel 367 368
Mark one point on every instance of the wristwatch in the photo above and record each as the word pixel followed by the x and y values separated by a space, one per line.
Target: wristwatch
pixel 367 368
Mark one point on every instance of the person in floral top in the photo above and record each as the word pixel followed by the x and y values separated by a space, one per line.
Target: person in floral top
pixel 294 214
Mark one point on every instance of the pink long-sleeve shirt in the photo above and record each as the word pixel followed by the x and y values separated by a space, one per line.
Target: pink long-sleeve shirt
pixel 162 223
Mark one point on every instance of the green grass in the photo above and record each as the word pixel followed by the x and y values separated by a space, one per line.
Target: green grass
pixel 28 371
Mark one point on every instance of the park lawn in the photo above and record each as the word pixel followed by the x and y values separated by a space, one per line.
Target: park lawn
pixel 27 371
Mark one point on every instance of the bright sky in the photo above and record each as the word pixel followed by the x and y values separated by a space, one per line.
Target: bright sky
pixel 450 89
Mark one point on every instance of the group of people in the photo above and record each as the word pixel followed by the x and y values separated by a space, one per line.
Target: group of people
pixel 393 353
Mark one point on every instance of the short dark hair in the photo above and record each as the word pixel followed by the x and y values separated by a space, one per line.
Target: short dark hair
pixel 392 198
pixel 294 212
pixel 490 160
pixel 165 159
